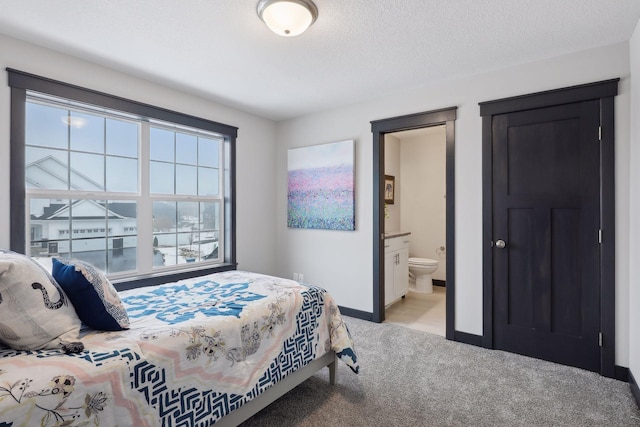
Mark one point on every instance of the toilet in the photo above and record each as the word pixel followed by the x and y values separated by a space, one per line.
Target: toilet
pixel 421 269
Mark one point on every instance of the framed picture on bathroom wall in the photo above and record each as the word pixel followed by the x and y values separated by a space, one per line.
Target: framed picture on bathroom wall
pixel 389 189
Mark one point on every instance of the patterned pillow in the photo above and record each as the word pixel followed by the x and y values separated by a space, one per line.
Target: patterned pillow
pixel 34 310
pixel 95 299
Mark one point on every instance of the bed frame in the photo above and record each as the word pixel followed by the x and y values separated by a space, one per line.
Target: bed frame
pixel 279 389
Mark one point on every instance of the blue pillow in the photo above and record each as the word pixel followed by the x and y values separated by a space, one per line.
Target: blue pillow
pixel 95 299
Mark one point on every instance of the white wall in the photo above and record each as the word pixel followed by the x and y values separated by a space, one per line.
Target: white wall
pixel 424 207
pixel 342 261
pixel 634 202
pixel 255 144
pixel 392 166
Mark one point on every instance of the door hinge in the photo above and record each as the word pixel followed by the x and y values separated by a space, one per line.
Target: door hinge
pixel 600 339
pixel 599 133
pixel 600 235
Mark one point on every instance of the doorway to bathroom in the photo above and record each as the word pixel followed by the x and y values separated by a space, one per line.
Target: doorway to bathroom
pixel 432 121
pixel 415 214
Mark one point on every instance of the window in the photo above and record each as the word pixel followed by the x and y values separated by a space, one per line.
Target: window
pixel 133 189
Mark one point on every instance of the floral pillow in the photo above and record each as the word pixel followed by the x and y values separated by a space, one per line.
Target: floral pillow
pixel 95 299
pixel 34 311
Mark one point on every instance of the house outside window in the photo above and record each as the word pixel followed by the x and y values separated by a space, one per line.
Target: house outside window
pixel 133 194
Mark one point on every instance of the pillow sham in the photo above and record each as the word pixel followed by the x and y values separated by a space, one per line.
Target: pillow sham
pixel 95 299
pixel 34 311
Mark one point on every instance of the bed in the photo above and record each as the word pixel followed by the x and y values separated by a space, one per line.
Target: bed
pixel 209 350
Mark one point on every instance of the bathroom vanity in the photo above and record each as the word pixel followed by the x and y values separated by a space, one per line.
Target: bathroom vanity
pixel 396 266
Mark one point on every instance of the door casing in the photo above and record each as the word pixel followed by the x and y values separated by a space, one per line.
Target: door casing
pixel 379 128
pixel 604 91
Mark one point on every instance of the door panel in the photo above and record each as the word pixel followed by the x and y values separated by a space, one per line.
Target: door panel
pixel 520 290
pixel 565 225
pixel 548 144
pixel 546 207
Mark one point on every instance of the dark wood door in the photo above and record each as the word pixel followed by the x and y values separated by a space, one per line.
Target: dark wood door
pixel 546 210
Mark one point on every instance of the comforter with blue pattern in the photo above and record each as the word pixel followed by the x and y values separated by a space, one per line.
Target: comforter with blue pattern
pixel 196 350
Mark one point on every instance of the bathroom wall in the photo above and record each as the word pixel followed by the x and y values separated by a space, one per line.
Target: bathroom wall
pixel 423 177
pixel 392 166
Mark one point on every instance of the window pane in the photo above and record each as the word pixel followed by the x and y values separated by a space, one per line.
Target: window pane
pixel 87 172
pixel 162 179
pixel 208 152
pixel 122 174
pixel 187 250
pixel 158 255
pixel 92 251
pixel 210 216
pixel 161 145
pixel 123 218
pixel 189 226
pixel 122 138
pixel 208 250
pixel 164 234
pixel 49 227
pixel 46 168
pixel 209 230
pixel 186 149
pixel 46 126
pixel 122 254
pixel 164 249
pixel 186 180
pixel 188 218
pixel 208 182
pixel 164 217
pixel 87 132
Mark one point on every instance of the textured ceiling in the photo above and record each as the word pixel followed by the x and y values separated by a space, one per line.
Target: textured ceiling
pixel 357 50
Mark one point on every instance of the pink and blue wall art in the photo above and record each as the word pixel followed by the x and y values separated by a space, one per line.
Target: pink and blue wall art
pixel 320 186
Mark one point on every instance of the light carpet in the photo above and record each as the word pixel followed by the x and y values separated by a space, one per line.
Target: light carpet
pixel 412 378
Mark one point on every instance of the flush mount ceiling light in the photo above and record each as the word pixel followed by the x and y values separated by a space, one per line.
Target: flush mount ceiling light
pixel 287 17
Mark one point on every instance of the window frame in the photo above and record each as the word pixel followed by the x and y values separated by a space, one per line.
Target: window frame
pixel 22 82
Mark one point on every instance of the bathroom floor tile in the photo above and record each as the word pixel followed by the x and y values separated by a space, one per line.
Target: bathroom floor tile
pixel 424 312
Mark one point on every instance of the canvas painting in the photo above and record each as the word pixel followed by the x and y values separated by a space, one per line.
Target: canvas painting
pixel 320 186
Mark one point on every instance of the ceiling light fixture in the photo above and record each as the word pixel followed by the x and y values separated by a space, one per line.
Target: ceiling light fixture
pixel 287 17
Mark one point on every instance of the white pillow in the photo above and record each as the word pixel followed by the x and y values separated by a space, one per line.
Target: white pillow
pixel 35 313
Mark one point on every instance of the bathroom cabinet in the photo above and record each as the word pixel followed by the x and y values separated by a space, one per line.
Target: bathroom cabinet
pixel 396 267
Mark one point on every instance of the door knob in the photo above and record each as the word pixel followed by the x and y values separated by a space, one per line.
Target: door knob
pixel 500 244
